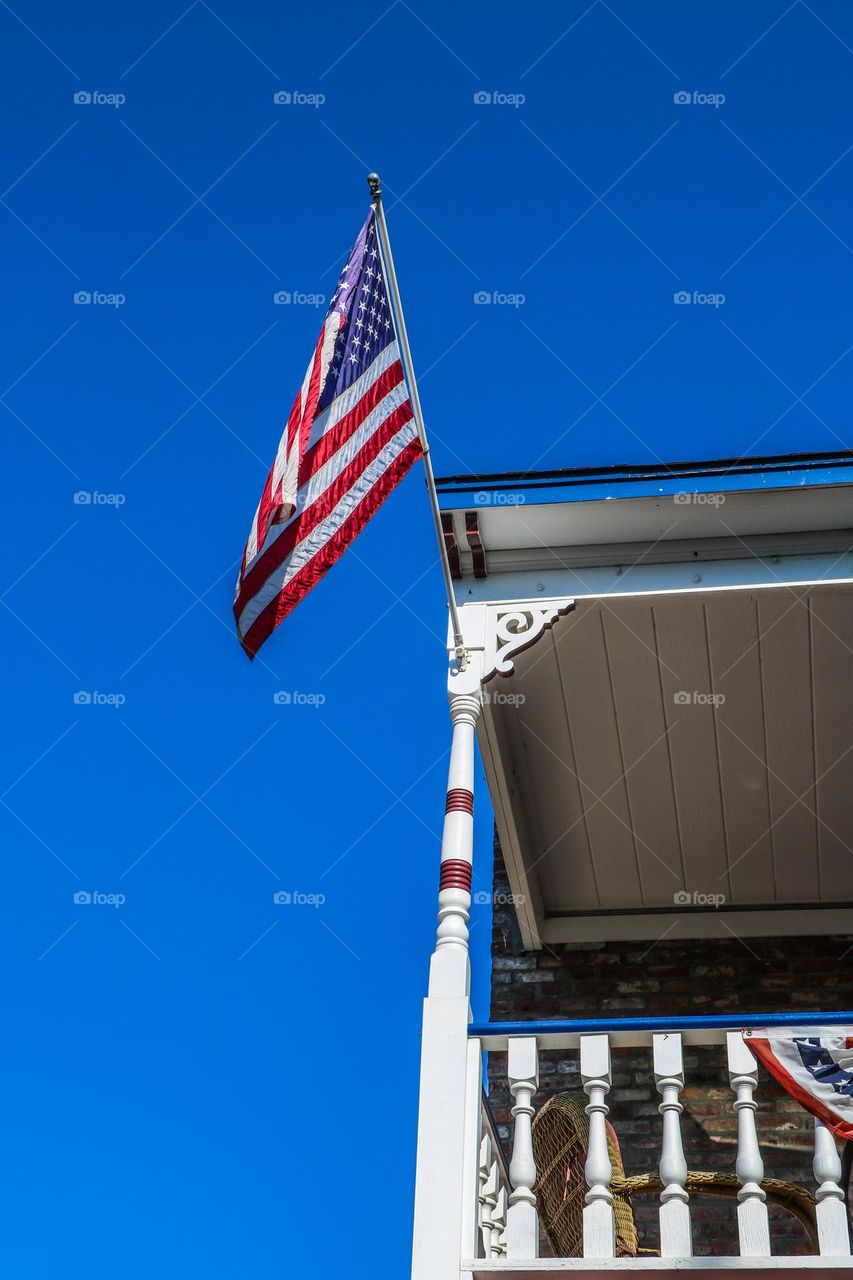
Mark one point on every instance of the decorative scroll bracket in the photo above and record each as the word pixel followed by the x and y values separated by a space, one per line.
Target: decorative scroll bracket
pixel 496 633
pixel 512 629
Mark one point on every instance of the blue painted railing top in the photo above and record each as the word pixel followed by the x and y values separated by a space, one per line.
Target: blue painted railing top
pixel 694 1022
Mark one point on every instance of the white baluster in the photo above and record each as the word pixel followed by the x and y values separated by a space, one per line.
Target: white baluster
pixel 675 1235
pixel 832 1229
pixel 522 1222
pixel 753 1225
pixel 487 1194
pixel 599 1236
pixel 499 1225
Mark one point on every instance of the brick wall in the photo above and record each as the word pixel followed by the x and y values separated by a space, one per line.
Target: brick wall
pixel 593 979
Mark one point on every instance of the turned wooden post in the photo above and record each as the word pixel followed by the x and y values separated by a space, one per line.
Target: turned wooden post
pixel 675 1235
pixel 499 1224
pixel 522 1226
pixel 832 1229
pixel 449 969
pixel 446 1191
pixel 599 1235
pixel 753 1225
pixel 488 1193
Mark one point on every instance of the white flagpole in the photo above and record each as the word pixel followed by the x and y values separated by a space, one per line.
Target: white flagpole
pixel 373 181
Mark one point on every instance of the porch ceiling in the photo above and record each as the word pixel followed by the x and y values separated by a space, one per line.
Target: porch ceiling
pixel 699 743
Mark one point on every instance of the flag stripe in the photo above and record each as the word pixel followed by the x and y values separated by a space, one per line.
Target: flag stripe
pixel 331 551
pixel 261 580
pixel 271 496
pixel 323 489
pixel 342 452
pixel 349 398
pixel 391 380
pixel 337 428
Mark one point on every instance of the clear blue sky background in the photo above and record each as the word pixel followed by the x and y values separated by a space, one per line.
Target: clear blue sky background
pixel 199 1081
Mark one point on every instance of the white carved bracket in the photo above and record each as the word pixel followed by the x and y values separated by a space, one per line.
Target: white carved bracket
pixel 495 634
pixel 510 629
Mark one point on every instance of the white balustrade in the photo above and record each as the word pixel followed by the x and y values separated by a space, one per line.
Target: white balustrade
pixel 599 1235
pixel 675 1234
pixel 832 1225
pixel 505 1226
pixel 753 1224
pixel 522 1221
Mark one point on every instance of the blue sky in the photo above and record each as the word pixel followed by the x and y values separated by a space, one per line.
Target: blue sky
pixel 189 1074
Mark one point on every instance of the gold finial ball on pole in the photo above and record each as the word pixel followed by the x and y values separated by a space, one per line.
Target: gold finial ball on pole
pixel 375 184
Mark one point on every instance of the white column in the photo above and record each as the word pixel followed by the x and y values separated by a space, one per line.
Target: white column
pixel 599 1235
pixel 753 1225
pixel 472 1149
pixel 675 1235
pixel 832 1228
pixel 442 1182
pixel 449 970
pixel 522 1226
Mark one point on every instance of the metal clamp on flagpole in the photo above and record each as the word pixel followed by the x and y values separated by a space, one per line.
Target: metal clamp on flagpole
pixel 373 181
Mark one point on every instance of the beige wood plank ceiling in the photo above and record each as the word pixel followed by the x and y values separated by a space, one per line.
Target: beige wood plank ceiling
pixel 697 741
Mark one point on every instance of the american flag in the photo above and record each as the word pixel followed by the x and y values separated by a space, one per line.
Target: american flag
pixel 815 1067
pixel 350 438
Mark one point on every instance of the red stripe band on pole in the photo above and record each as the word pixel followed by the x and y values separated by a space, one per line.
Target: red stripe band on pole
pixel 455 874
pixel 460 800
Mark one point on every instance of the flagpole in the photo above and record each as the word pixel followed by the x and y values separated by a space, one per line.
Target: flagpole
pixel 375 184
